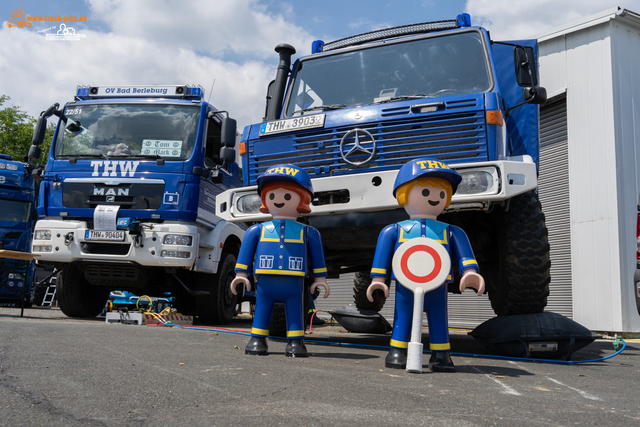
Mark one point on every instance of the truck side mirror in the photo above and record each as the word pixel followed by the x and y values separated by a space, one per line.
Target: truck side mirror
pixel 34 153
pixel 524 61
pixel 534 95
pixel 270 90
pixel 38 132
pixel 228 132
pixel 228 154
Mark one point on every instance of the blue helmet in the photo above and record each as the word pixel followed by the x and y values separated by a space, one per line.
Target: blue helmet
pixel 426 167
pixel 286 172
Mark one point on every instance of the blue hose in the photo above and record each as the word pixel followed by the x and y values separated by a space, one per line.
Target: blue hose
pixel 380 347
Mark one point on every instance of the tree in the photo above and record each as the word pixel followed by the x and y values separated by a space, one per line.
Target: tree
pixel 16 132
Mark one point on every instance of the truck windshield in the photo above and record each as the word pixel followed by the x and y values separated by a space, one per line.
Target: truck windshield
pixel 14 212
pixel 435 66
pixel 127 130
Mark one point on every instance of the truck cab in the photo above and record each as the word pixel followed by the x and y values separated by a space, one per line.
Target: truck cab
pixel 127 199
pixel 355 110
pixel 17 204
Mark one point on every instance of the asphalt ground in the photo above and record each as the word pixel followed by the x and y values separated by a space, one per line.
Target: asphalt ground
pixel 57 371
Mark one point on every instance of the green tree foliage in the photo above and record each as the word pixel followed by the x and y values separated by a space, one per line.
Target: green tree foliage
pixel 16 132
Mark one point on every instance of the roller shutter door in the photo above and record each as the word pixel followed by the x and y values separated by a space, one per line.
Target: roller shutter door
pixel 553 188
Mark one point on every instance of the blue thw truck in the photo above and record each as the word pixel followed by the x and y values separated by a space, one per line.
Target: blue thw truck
pixel 17 217
pixel 355 110
pixel 127 199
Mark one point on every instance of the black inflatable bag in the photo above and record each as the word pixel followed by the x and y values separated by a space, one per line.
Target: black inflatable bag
pixel 539 336
pixel 361 321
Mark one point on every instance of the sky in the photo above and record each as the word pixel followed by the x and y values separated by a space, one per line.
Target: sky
pixel 227 45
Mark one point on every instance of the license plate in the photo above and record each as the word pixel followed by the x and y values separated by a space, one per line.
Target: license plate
pixel 288 125
pixel 113 236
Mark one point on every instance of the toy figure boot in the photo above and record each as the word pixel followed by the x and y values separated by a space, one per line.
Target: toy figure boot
pixel 396 358
pixel 296 348
pixel 440 361
pixel 257 346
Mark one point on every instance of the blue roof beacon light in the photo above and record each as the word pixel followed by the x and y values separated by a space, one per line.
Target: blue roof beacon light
pixel 133 91
pixel 316 46
pixel 464 20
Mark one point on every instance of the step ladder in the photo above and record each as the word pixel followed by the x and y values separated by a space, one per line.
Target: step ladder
pixel 50 294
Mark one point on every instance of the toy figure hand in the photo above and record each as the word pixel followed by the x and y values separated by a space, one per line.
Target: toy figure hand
pixel 240 278
pixel 471 279
pixel 377 283
pixel 320 281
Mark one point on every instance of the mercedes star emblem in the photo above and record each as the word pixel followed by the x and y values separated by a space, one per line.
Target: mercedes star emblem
pixel 360 136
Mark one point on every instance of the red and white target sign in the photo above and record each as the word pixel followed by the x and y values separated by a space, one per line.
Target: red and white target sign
pixel 421 263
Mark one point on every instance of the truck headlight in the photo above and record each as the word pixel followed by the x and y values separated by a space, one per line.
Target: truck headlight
pixel 249 204
pixel 15 276
pixel 41 249
pixel 475 182
pixel 42 235
pixel 175 254
pixel 177 239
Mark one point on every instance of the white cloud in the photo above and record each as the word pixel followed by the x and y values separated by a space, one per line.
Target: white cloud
pixel 154 43
pixel 214 27
pixel 36 73
pixel 512 19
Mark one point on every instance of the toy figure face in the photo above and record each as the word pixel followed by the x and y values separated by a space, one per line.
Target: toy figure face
pixel 283 203
pixel 426 201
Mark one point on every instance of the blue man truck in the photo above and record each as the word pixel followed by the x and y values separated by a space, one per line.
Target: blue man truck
pixel 127 199
pixel 17 207
pixel 357 109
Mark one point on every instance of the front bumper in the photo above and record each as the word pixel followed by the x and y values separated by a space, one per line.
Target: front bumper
pixel 68 243
pixel 373 191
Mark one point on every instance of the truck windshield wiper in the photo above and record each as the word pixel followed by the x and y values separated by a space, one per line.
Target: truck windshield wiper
pixel 401 98
pixel 69 156
pixel 148 156
pixel 321 107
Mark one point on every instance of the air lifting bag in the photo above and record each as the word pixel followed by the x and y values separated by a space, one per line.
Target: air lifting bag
pixel 361 321
pixel 539 336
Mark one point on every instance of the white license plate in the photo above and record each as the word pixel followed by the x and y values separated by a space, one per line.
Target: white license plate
pixel 114 236
pixel 288 125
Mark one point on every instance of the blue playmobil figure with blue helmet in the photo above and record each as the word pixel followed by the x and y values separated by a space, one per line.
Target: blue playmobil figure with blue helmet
pixel 280 254
pixel 424 188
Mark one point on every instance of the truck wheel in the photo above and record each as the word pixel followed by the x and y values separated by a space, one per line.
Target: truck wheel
pixel 361 282
pixel 76 296
pixel 219 307
pixel 522 285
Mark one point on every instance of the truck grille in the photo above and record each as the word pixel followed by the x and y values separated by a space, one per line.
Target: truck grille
pixel 454 138
pixel 124 273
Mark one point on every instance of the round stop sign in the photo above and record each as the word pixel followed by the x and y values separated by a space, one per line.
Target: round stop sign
pixel 421 263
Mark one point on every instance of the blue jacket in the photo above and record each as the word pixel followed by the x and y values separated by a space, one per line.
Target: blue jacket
pixel 282 247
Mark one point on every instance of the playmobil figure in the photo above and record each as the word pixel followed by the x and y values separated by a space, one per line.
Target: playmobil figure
pixel 282 252
pixel 424 188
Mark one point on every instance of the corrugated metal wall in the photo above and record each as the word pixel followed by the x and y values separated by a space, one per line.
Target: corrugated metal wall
pixel 553 190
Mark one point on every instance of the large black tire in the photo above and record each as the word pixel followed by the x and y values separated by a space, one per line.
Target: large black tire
pixel 219 307
pixel 76 296
pixel 522 285
pixel 361 283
